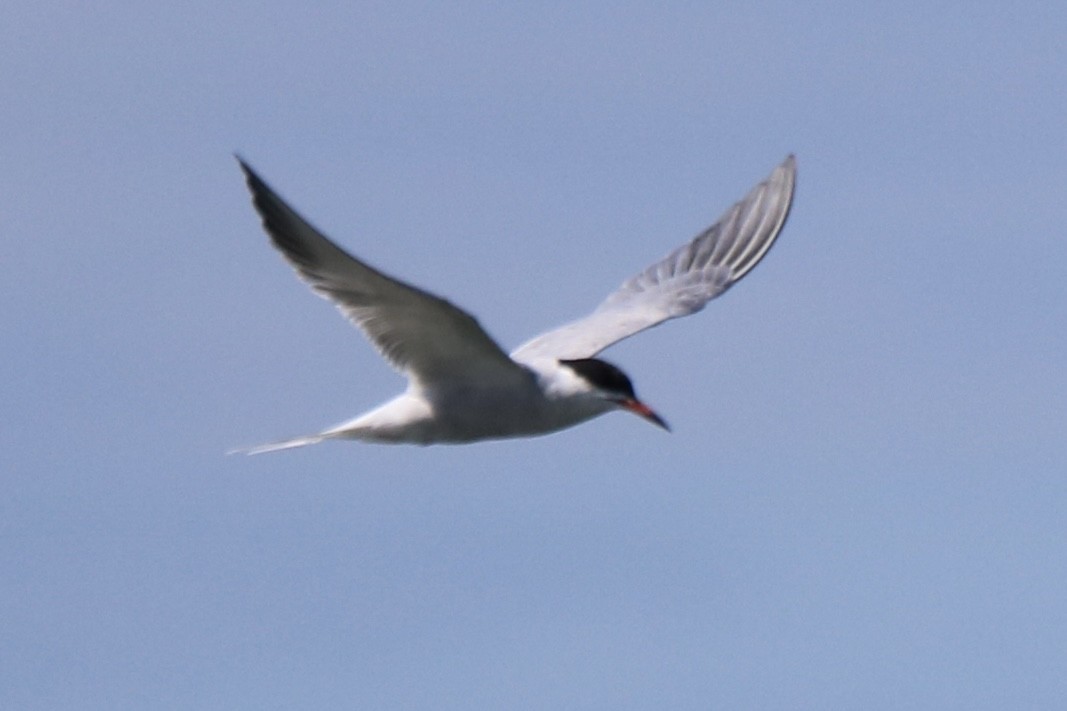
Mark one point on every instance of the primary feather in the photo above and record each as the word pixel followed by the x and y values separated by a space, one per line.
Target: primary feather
pixel 420 334
pixel 685 280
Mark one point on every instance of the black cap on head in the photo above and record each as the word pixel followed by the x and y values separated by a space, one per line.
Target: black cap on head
pixel 602 375
pixel 608 378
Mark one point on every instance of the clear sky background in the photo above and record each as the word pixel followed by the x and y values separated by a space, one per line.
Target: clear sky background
pixel 864 500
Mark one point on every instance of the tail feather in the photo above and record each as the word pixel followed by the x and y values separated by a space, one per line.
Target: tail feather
pixel 283 444
pixel 349 429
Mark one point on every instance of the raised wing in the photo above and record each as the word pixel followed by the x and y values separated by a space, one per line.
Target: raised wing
pixel 683 282
pixel 422 335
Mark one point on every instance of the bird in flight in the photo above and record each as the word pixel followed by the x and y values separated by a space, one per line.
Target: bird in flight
pixel 462 386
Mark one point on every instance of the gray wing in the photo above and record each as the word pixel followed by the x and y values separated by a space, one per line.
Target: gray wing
pixel 420 334
pixel 685 281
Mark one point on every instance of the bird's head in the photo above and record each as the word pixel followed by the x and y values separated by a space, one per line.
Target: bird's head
pixel 609 383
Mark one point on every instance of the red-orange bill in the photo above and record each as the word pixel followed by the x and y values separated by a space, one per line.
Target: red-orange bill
pixel 639 408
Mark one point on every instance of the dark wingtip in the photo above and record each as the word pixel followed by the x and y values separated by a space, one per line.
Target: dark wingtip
pixel 251 176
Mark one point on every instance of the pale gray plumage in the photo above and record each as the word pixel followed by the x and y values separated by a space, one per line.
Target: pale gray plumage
pixel 462 385
pixel 420 334
pixel 685 280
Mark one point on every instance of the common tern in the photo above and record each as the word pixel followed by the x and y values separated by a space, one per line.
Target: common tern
pixel 462 386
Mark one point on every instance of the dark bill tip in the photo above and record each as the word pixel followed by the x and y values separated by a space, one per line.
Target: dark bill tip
pixel 639 408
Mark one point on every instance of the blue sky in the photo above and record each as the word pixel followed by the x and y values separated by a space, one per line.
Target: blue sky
pixel 862 503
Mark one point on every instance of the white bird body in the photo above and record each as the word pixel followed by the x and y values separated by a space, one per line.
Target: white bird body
pixel 462 387
pixel 546 399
